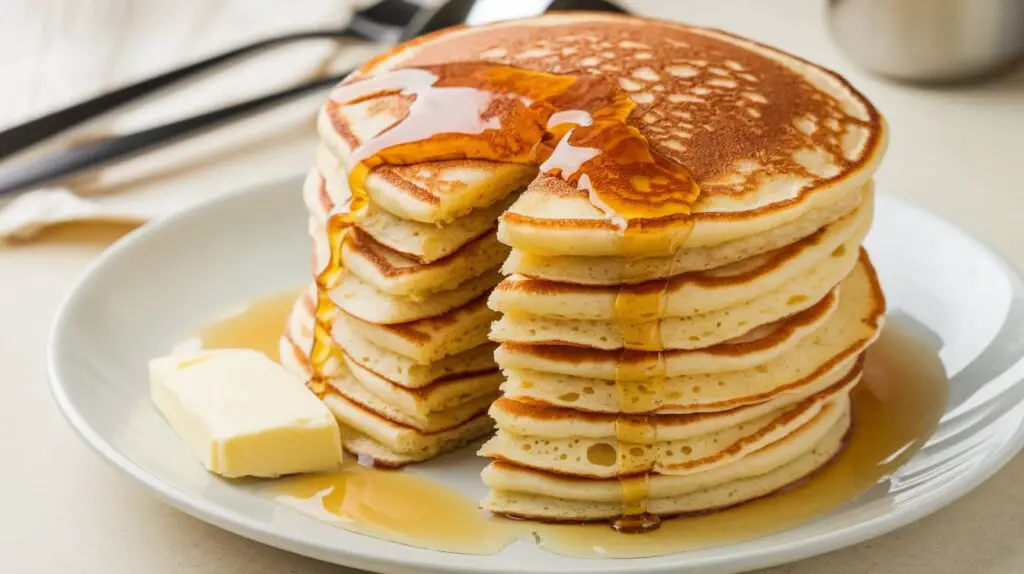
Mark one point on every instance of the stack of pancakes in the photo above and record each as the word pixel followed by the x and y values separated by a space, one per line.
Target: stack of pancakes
pixel 679 365
pixel 410 372
pixel 667 363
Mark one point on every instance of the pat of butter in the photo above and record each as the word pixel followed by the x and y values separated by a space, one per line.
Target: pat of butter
pixel 242 414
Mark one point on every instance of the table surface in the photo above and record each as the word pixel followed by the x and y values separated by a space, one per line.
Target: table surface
pixel 956 151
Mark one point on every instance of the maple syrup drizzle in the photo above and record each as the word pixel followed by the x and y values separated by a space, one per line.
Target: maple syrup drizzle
pixel 639 382
pixel 327 279
pixel 639 387
pixel 572 127
pixel 397 506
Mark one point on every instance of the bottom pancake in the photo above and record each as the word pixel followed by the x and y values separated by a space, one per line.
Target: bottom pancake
pixel 392 445
pixel 685 445
pixel 523 493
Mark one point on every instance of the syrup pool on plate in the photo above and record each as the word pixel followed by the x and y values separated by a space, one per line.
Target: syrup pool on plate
pixel 896 407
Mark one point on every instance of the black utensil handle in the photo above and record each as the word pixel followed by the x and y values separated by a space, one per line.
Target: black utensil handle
pixel 588 5
pixel 431 19
pixel 29 133
pixel 95 154
pixel 395 13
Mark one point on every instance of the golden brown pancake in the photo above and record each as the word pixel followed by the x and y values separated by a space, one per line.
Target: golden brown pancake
pixel 426 340
pixel 754 348
pixel 348 345
pixel 527 493
pixel 766 135
pixel 685 444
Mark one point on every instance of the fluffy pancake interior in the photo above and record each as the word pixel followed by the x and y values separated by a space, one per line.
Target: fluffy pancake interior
pixel 684 445
pixel 429 192
pixel 517 491
pixel 613 270
pixel 432 422
pixel 756 347
pixel 441 395
pixel 423 242
pixel 360 299
pixel 832 247
pixel 693 332
pixel 394 274
pixel 426 340
pixel 392 444
pixel 815 358
pixel 298 339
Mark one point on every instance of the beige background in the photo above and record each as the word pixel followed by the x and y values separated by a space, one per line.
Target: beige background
pixel 957 151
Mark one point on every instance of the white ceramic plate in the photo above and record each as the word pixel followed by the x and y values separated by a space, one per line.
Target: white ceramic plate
pixel 162 282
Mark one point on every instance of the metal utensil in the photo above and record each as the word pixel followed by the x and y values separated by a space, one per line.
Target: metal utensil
pixel 381 22
pixel 63 163
pixel 929 40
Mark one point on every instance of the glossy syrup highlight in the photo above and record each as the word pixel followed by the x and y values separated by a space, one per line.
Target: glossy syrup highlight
pixel 639 384
pixel 573 127
pixel 896 408
pixel 258 325
pixel 397 506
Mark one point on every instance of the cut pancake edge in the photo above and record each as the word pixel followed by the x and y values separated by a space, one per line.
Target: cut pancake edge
pixel 390 263
pixel 427 340
pixel 418 241
pixel 394 275
pixel 297 340
pixel 353 391
pixel 395 436
pixel 436 192
pixel 379 455
pixel 423 401
pixel 424 411
pixel 362 300
pixel 372 428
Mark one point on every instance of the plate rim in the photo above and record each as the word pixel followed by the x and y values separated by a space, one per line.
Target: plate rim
pixel 228 519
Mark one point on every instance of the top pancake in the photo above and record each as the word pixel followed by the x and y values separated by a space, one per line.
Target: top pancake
pixel 767 136
pixel 432 192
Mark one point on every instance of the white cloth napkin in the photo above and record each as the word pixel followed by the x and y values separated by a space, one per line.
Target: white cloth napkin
pixel 119 46
pixel 31 213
